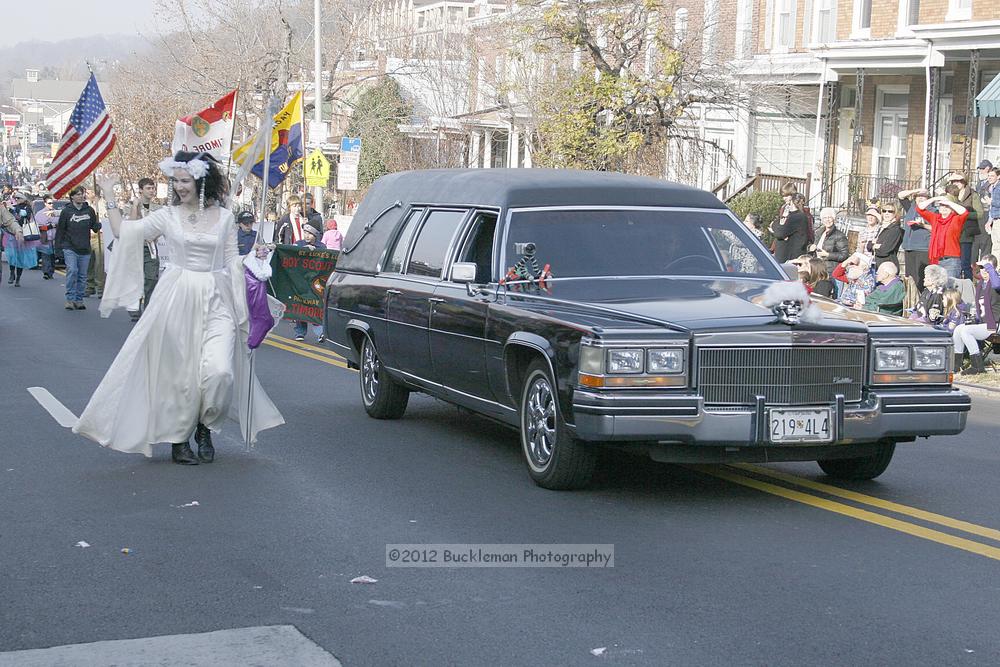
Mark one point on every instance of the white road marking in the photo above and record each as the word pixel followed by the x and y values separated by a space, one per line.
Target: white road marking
pixel 264 645
pixel 59 412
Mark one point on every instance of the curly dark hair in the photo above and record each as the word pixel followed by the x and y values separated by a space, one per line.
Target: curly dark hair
pixel 216 183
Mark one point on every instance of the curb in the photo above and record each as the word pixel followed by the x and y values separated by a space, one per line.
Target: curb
pixel 979 390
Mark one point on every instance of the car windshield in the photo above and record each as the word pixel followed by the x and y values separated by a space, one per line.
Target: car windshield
pixel 633 242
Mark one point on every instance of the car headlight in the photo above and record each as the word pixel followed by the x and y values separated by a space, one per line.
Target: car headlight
pixel 892 359
pixel 591 360
pixel 625 361
pixel 664 361
pixel 930 358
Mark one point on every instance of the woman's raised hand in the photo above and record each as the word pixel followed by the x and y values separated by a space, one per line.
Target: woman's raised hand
pixel 107 185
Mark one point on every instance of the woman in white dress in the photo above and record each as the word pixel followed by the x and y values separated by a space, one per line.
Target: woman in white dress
pixel 185 366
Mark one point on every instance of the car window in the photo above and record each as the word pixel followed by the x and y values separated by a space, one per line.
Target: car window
pixel 398 256
pixel 478 246
pixel 633 242
pixel 433 241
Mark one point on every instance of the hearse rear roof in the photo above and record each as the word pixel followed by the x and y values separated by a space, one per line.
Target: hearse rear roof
pixel 503 189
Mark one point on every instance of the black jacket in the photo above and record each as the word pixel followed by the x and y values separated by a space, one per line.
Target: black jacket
pixel 889 240
pixel 791 236
pixel 75 225
pixel 834 243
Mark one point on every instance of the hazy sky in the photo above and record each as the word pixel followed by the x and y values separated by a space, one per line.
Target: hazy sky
pixel 52 20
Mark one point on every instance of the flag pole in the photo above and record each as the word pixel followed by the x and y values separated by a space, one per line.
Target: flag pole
pixel 232 132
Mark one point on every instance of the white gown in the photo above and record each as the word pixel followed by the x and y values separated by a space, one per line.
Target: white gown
pixel 186 360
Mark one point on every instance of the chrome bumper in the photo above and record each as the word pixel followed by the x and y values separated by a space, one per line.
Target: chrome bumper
pixel 603 416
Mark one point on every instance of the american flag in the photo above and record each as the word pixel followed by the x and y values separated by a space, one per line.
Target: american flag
pixel 87 140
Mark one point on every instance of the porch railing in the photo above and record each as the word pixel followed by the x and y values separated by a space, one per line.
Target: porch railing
pixel 852 192
pixel 761 182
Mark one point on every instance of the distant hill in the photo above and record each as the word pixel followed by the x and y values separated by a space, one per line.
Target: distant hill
pixel 65 59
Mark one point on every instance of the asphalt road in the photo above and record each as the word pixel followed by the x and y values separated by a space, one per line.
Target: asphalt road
pixel 713 566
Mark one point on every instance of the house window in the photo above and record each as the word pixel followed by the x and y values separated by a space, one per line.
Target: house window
pixel 784 35
pixel 862 23
pixel 744 28
pixel 783 144
pixel 826 22
pixel 959 10
pixel 680 26
pixel 913 12
pixel 711 34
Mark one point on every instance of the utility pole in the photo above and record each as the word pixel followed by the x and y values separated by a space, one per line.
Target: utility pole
pixel 318 89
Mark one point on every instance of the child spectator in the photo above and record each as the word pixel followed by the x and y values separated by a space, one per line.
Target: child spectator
pixel 986 317
pixel 332 238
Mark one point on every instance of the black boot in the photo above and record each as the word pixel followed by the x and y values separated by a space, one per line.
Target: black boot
pixel 959 358
pixel 182 454
pixel 977 365
pixel 203 436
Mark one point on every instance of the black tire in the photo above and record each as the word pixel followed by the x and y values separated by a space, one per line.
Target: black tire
pixel 862 467
pixel 383 397
pixel 555 460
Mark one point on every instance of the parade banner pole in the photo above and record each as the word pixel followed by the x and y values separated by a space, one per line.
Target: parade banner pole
pixel 268 122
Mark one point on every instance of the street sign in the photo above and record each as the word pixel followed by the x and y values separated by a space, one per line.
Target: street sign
pixel 350 145
pixel 347 166
pixel 317 169
pixel 347 177
pixel 317 132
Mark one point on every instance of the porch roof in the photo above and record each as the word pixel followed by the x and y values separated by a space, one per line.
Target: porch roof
pixel 988 101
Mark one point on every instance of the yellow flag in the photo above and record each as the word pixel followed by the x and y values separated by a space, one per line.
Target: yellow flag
pixel 287 146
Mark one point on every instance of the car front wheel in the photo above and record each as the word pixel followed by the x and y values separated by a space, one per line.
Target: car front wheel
pixel 862 467
pixel 555 459
pixel 384 398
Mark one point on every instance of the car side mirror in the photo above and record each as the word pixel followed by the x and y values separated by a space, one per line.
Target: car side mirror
pixel 791 270
pixel 463 272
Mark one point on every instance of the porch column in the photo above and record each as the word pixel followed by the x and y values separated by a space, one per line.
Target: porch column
pixel 816 160
pixel 488 149
pixel 855 188
pixel 474 150
pixel 527 150
pixel 932 97
pixel 513 148
pixel 829 143
pixel 970 111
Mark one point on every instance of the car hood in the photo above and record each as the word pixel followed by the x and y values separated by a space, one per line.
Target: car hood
pixel 693 303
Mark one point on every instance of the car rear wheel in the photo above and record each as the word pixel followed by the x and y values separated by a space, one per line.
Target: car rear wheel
pixel 384 398
pixel 862 467
pixel 555 459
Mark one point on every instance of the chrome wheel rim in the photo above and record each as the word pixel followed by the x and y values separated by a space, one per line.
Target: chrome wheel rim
pixel 369 373
pixel 539 422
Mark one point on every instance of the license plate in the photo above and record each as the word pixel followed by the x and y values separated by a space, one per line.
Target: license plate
pixel 813 425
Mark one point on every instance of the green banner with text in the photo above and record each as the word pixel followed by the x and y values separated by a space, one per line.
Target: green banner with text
pixel 298 277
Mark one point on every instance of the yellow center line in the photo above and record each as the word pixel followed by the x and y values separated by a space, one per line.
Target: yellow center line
pixel 872 501
pixel 306 353
pixel 853 512
pixel 316 349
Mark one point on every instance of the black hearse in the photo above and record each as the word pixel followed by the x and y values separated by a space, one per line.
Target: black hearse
pixel 585 308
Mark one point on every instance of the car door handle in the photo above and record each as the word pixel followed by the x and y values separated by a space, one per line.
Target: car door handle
pixel 393 291
pixel 435 299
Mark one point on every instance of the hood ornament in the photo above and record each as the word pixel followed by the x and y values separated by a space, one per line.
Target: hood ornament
pixel 790 303
pixel 788 312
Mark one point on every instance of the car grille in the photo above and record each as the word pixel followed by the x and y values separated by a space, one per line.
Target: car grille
pixel 799 375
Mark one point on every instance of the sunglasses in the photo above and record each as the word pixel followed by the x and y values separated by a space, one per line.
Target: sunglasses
pixel 888 210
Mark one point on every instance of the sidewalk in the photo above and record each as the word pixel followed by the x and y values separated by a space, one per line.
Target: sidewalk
pixel 985 384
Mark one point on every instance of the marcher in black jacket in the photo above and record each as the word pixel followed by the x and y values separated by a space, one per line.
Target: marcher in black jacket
pixel 791 235
pixel 831 246
pixel 76 222
pixel 889 238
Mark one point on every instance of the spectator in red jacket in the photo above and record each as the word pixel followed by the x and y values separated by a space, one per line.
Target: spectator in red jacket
pixel 946 228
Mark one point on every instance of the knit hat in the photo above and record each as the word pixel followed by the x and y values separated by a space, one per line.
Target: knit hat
pixel 312 230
